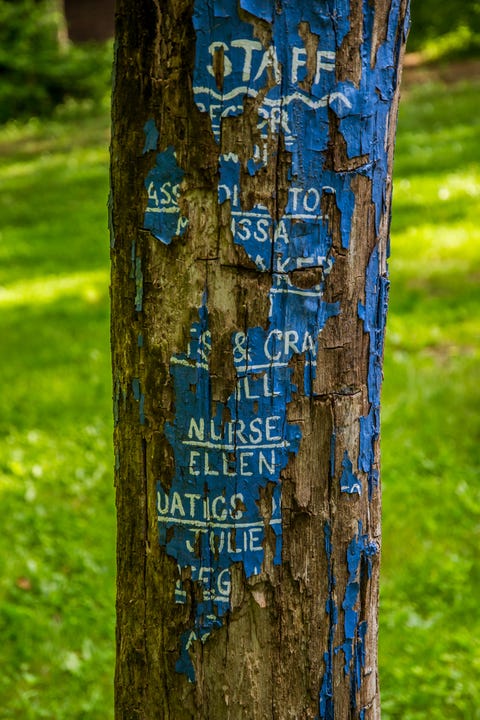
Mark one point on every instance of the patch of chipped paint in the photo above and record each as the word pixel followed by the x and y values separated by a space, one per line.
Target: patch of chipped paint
pixel 274 76
pixel 326 705
pixel 212 516
pixel 359 562
pixel 138 285
pixel 133 254
pixel 151 136
pixel 218 476
pixel 163 216
pixel 374 315
pixel 333 442
pixel 349 482
pixel 140 398
pixel 116 403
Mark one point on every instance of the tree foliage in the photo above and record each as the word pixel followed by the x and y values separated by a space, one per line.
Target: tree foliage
pixel 38 69
pixel 433 21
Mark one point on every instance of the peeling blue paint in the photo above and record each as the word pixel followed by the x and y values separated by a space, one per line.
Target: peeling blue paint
pixel 359 562
pixel 333 442
pixel 151 136
pixel 140 398
pixel 228 455
pixel 163 216
pixel 287 108
pixel 373 314
pixel 326 704
pixel 349 482
pixel 138 285
pixel 133 254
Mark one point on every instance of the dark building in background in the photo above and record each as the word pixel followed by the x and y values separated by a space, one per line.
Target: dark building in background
pixel 89 19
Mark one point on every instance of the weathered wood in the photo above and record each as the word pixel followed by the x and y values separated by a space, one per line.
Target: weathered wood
pixel 246 371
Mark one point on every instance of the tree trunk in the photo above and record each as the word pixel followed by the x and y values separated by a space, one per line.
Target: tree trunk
pixel 251 159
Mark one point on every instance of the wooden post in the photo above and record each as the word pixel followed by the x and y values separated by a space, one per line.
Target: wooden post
pixel 251 162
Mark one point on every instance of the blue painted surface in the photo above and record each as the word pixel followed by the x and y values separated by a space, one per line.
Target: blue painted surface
pixel 360 552
pixel 140 398
pixel 374 315
pixel 162 215
pixel 151 136
pixel 138 285
pixel 326 704
pixel 211 517
pixel 226 456
pixel 349 482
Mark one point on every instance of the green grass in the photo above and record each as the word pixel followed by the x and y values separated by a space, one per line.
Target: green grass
pixel 430 619
pixel 57 544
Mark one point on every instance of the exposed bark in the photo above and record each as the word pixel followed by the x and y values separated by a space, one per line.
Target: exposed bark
pixel 299 635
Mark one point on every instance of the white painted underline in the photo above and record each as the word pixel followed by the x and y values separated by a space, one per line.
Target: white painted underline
pixel 209 525
pixel 220 446
pixel 163 210
pixel 192 364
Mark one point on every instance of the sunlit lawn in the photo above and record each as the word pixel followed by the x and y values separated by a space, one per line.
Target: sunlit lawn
pixel 430 619
pixel 57 543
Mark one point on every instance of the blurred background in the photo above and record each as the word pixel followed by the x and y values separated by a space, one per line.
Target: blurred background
pixel 56 495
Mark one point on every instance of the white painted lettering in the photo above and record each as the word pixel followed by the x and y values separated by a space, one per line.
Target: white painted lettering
pixel 213 48
pixel 239 346
pixel 162 507
pixel 261 233
pixel 224 583
pixel 270 59
pixel 294 191
pixel 281 266
pixel 325 61
pixel 192 497
pixel 227 467
pixel 255 435
pixel 207 469
pixel 281 232
pixel 239 429
pixel 236 504
pixel 268 389
pixel 299 60
pixel 182 223
pixel 192 462
pixel 248 46
pixel 196 428
pixel 263 462
pixel 196 534
pixel 222 514
pixel 308 344
pixel 272 335
pixel 244 465
pixel 255 535
pixel 205 344
pixel 166 196
pixel 177 505
pixel 311 200
pixel 243 231
pixel 270 428
pixel 291 339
